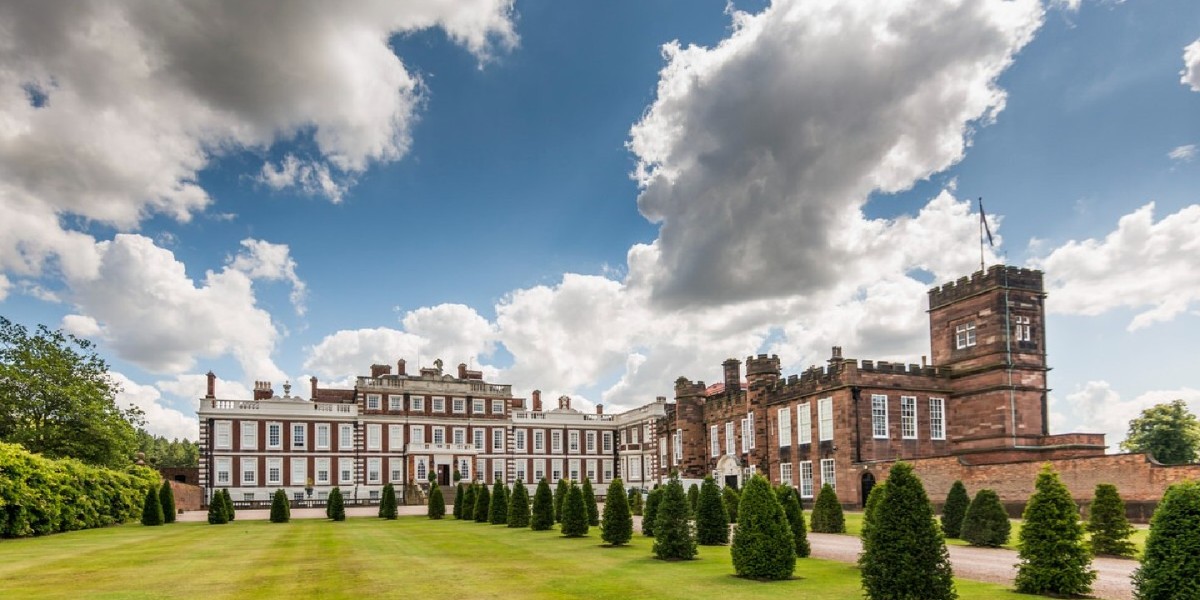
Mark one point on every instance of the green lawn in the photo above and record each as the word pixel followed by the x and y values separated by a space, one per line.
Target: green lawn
pixel 410 557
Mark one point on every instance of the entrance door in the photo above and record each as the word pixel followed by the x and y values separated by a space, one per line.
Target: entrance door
pixel 868 482
pixel 443 475
pixel 731 481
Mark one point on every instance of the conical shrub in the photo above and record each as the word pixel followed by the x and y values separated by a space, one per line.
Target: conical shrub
pixel 1107 524
pixel 458 499
pixel 437 502
pixel 693 496
pixel 152 513
pixel 498 509
pixel 589 502
pixel 986 523
pixel 387 504
pixel 227 505
pixel 1171 563
pixel 732 498
pixel 790 502
pixel 674 538
pixel 712 523
pixel 560 494
pixel 216 510
pixel 955 509
pixel 467 513
pixel 281 511
pixel 617 526
pixel 634 501
pixel 574 516
pixel 329 502
pixel 337 505
pixel 651 512
pixel 166 497
pixel 870 513
pixel 1054 557
pixel 518 506
pixel 827 514
pixel 483 503
pixel 763 547
pixel 905 556
pixel 542 518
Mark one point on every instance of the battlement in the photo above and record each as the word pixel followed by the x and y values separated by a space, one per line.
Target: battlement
pixel 685 387
pixel 996 276
pixel 845 371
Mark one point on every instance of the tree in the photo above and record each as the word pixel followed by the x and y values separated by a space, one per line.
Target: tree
pixel 790 502
pixel 905 555
pixel 674 538
pixel 335 493
pixel 617 526
pixel 216 510
pixel 518 506
pixel 732 498
pixel 712 522
pixel 693 496
pixel 152 513
pixel 281 512
pixel 458 499
pixel 498 509
pixel 162 453
pixel 483 503
pixel 955 509
pixel 560 494
pixel 651 512
pixel 57 398
pixel 986 523
pixel 1107 524
pixel 1171 563
pixel 468 503
pixel 387 504
pixel 635 501
pixel 1054 558
pixel 166 497
pixel 827 514
pixel 230 513
pixel 574 513
pixel 589 502
pixel 542 518
pixel 763 547
pixel 437 503
pixel 871 513
pixel 336 502
pixel 1168 431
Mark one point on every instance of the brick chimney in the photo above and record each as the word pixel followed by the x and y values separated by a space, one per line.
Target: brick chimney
pixel 462 370
pixel 212 385
pixel 733 374
pixel 537 400
pixel 599 409
pixel 400 367
pixel 313 382
pixel 378 371
pixel 262 390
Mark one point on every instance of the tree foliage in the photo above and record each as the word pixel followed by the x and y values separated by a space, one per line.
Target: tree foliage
pixel 790 501
pixel 1171 563
pixel 617 526
pixel 763 547
pixel 560 494
pixel 651 512
pixel 281 511
pixel 458 499
pixel 542 518
pixel 732 498
pixel 58 400
pixel 498 509
pixel 905 556
pixel 336 504
pixel 518 506
pixel 827 514
pixel 227 502
pixel 164 453
pixel 1168 431
pixel 635 501
pixel 712 522
pixel 437 502
pixel 955 509
pixel 387 503
pixel 166 498
pixel 693 496
pixel 483 503
pixel 468 503
pixel 329 501
pixel 152 513
pixel 216 510
pixel 1054 558
pixel 986 522
pixel 1108 527
pixel 674 538
pixel 589 502
pixel 871 513
pixel 574 513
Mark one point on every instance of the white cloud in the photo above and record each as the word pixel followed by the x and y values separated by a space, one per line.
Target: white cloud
pixel 264 260
pixel 1183 153
pixel 1100 409
pixel 160 419
pixel 1190 75
pixel 311 177
pixel 192 386
pixel 1142 265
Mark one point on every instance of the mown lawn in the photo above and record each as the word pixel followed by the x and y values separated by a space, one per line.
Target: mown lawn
pixel 411 557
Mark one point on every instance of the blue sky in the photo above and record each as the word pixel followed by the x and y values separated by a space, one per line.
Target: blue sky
pixel 593 200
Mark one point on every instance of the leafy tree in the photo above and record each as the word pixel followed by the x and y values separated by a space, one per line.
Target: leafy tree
pixel 955 509
pixel 635 501
pixel 543 507
pixel 827 514
pixel 712 522
pixel 468 503
pixel 1054 558
pixel 483 503
pixel 651 513
pixel 763 547
pixel 334 493
pixel 166 497
pixel 693 496
pixel 163 453
pixel 674 538
pixel 1168 431
pixel 1109 527
pixel 518 506
pixel 498 509
pixel 216 510
pixel 732 498
pixel 560 494
pixel 905 555
pixel 152 513
pixel 790 501
pixel 458 499
pixel 617 527
pixel 387 504
pixel 589 502
pixel 437 502
pixel 986 523
pixel 281 512
pixel 336 502
pixel 230 513
pixel 1171 563
pixel 58 400
pixel 871 513
pixel 574 513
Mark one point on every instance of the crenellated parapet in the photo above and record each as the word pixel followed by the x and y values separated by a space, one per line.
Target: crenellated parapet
pixel 981 281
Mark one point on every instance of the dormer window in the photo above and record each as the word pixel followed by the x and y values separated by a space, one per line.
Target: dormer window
pixel 964 335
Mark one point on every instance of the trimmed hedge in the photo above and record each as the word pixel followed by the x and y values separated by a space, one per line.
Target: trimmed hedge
pixel 986 523
pixel 166 497
pixel 732 498
pixel 152 513
pixel 1108 524
pixel 589 502
pixel 458 499
pixel 574 513
pixel 955 510
pixel 467 512
pixel 763 547
pixel 437 502
pixel 651 512
pixel 335 506
pixel 712 522
pixel 387 504
pixel 693 496
pixel 674 537
pixel 281 510
pixel 905 555
pixel 498 509
pixel 560 494
pixel 827 514
pixel 617 526
pixel 789 499
pixel 542 518
pixel 230 513
pixel 1054 558
pixel 1171 564
pixel 39 496
pixel 635 502
pixel 483 503
pixel 518 506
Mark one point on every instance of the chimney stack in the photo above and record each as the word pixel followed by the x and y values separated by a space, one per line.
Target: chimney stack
pixel 462 370
pixel 733 374
pixel 378 371
pixel 599 409
pixel 262 390
pixel 313 389
pixel 212 385
pixel 537 400
pixel 400 365
pixel 923 365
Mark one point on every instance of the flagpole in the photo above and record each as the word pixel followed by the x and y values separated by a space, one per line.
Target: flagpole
pixel 981 267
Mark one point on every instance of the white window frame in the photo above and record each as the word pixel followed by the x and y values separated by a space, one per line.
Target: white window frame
pixel 321 466
pixel 879 416
pixel 345 471
pixel 250 468
pixel 678 443
pixel 416 403
pixel 635 467
pixel 539 440
pixel 374 436
pixel 224 469
pixel 346 436
pixel 804 423
pixel 1024 328
pixel 589 470
pixel 497 470
pixel 745 435
pixel 464 468
pixel 519 470
pixel 396 470
pixel 459 436
pixel 274 436
pixel 395 437
pixel 416 434
pixel 478 406
pixel 806 479
pixel 556 441
pixel 730 446
pixel 606 441
pixel 908 417
pixel 299 471
pixel 422 469
pixel 784 423
pixel 964 335
pixel 573 441
pixel 497 407
pixel 498 439
pixel 438 404
pixel 322 436
pixel 590 442
pixel 249 431
pixel 459 405
pixel 395 402
pixel 607 465
pixel 714 440
pixel 299 436
pixel 519 439
pixel 556 469
pixel 477 438
pixel 828 473
pixel 825 416
pixel 223 435
pixel 438 435
pixel 937 418
pixel 750 429
pixel 373 401
pixel 573 468
pixel 374 470
pixel 274 471
pixel 539 469
pixel 785 474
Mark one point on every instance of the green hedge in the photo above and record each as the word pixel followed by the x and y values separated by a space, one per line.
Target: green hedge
pixel 39 496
